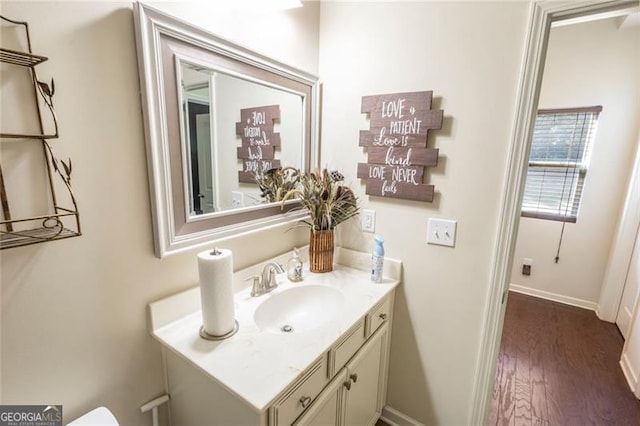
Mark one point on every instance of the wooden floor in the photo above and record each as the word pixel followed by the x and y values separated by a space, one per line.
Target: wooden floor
pixel 559 365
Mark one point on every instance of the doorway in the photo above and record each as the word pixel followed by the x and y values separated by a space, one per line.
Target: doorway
pixel 542 15
pixel 581 158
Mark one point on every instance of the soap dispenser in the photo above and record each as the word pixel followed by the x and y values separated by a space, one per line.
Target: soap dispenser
pixel 294 267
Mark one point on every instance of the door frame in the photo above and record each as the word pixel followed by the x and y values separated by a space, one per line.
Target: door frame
pixel 541 15
pixel 624 243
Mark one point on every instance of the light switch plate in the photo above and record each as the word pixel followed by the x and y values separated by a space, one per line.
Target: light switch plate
pixel 368 218
pixel 441 232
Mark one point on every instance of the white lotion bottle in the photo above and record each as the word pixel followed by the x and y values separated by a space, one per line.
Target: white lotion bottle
pixel 377 259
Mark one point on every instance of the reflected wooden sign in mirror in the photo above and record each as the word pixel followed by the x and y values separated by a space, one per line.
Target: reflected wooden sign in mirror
pixel 197 90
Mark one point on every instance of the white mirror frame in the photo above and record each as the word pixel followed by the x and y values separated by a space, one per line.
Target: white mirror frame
pixel 151 26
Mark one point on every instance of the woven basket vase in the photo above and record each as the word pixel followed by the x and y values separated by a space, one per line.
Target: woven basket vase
pixel 321 251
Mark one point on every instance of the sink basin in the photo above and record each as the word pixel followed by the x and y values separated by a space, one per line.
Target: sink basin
pixel 299 309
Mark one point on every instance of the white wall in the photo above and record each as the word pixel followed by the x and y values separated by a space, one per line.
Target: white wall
pixel 469 54
pixel 73 311
pixel 587 64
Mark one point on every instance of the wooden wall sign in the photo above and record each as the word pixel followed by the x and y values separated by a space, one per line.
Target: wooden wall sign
pixel 259 141
pixel 396 144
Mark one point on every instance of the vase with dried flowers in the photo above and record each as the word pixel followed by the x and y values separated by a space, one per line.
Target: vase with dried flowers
pixel 275 183
pixel 329 202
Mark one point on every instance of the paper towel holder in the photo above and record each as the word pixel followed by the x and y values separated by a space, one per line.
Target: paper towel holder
pixel 208 336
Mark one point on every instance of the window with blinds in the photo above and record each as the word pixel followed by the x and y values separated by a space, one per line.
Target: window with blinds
pixel 558 162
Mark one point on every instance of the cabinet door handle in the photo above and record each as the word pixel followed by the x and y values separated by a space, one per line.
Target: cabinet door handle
pixel 305 401
pixel 347 384
pixel 354 377
pixel 383 316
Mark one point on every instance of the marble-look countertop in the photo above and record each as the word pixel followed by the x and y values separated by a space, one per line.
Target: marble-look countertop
pixel 258 365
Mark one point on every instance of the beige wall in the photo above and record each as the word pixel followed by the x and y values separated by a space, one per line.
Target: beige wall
pixel 73 311
pixel 587 64
pixel 469 54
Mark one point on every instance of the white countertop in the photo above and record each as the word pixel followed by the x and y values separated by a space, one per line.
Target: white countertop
pixel 258 365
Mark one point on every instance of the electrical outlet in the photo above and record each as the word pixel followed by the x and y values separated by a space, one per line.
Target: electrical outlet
pixel 237 199
pixel 527 263
pixel 441 232
pixel 368 218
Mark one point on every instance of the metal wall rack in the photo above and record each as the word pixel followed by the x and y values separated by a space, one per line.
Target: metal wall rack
pixel 61 222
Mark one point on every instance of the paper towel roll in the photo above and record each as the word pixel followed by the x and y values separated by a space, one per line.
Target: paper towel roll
pixel 216 291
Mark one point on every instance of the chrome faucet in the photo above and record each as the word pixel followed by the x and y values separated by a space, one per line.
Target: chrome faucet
pixel 267 282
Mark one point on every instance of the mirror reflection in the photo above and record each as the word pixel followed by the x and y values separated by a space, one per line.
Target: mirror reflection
pixel 234 129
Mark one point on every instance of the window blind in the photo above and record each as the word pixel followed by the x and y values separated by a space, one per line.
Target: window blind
pixel 558 162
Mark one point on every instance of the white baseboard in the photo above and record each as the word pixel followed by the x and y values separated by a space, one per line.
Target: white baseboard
pixel 630 375
pixel 394 417
pixel 567 300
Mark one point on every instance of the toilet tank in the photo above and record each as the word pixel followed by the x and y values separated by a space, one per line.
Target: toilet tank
pixel 100 416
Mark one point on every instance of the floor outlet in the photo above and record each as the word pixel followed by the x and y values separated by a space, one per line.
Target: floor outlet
pixel 441 232
pixel 527 263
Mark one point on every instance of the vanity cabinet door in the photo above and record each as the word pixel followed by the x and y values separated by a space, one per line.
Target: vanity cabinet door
pixel 297 400
pixel 365 378
pixel 327 408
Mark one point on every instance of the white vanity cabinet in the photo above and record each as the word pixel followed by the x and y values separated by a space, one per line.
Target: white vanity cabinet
pixel 327 408
pixel 357 393
pixel 344 386
pixel 333 374
pixel 366 381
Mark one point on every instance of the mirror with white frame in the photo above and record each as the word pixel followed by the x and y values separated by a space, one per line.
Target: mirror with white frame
pixel 197 92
